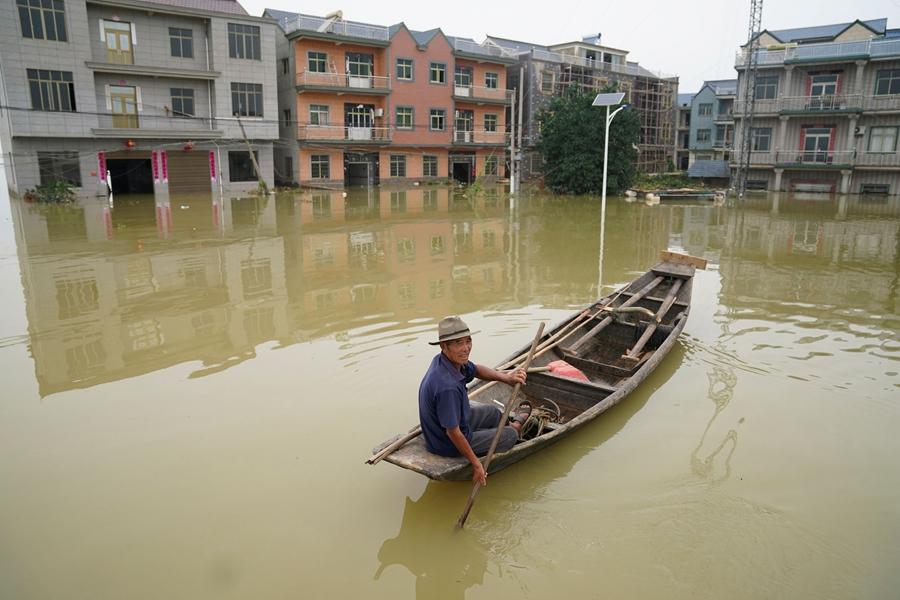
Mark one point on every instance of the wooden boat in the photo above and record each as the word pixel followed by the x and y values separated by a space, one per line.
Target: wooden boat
pixel 616 343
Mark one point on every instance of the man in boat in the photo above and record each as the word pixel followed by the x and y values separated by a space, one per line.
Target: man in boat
pixel 450 425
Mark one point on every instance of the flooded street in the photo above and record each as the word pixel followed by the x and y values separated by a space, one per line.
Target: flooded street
pixel 191 388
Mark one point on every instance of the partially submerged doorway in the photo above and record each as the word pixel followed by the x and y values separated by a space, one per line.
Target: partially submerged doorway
pixel 462 168
pixel 131 175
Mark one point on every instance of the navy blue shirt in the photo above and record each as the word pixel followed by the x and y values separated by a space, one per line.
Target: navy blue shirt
pixel 444 404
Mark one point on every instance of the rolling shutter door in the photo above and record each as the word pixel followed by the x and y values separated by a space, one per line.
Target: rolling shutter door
pixel 188 172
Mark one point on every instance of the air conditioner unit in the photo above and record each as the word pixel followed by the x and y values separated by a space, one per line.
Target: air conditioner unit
pixel 860 130
pixel 379 112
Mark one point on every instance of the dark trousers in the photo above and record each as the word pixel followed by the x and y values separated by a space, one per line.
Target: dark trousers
pixel 483 422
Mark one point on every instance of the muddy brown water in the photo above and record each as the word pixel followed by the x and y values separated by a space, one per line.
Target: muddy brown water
pixel 191 387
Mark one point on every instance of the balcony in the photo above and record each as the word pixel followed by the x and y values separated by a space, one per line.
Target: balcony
pixel 477 94
pixel 328 29
pixel 343 133
pixel 723 144
pixel 724 118
pixel 829 52
pixel 881 103
pixel 340 82
pixel 873 159
pixel 480 136
pixel 144 125
pixel 151 71
pixel 838 103
pixel 581 61
pixel 484 52
pixel 816 159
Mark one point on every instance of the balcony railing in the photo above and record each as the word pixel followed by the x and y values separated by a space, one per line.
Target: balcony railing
pixel 341 80
pixel 470 47
pixel 481 93
pixel 881 102
pixel 723 144
pixel 811 104
pixel 724 118
pixel 145 123
pixel 827 51
pixel 582 61
pixel 479 136
pixel 335 27
pixel 761 157
pixel 336 133
pixel 871 159
pixel 815 158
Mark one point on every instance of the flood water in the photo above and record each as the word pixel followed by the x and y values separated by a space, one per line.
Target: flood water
pixel 191 388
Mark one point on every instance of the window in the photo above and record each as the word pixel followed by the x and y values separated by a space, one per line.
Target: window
pixel 429 166
pixel 490 122
pixel 285 66
pixel 182 102
pixel 874 188
pixel 766 87
pixel 320 166
pixel 702 134
pixel 546 82
pixel 321 205
pixel 438 119
pixel 286 115
pixel 886 82
pixel 243 41
pixel 240 166
pixel 823 84
pixel 398 165
pixel 429 199
pixel 246 99
pixel 704 110
pixel 405 69
pixel 398 202
pixel 360 65
pixel 491 165
pixel 318 115
pixel 51 90
pixel 883 139
pixel 491 80
pixel 404 119
pixel 181 42
pixel 761 139
pixel 288 168
pixel 437 73
pixel 462 77
pixel 43 19
pixel 316 62
pixel 59 166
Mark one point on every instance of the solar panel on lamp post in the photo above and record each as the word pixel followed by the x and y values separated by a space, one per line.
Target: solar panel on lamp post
pixel 607 100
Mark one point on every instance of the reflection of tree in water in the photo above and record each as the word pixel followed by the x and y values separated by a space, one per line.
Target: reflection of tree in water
pixel 721 389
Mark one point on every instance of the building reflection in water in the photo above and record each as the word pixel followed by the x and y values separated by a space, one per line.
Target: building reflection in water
pixel 116 291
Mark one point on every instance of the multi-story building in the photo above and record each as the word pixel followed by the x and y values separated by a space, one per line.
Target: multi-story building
pixel 826 110
pixel 683 131
pixel 152 92
pixel 549 70
pixel 366 104
pixel 712 121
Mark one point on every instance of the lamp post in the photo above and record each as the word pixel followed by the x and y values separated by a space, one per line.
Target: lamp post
pixel 606 100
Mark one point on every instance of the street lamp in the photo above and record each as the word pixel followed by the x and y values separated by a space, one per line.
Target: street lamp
pixel 607 100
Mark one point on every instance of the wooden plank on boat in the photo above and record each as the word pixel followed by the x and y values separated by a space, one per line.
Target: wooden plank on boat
pixel 682 259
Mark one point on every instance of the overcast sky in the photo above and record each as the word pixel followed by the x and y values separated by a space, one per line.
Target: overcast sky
pixel 694 39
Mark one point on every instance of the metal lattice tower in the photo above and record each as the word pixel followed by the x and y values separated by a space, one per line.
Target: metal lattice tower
pixel 750 64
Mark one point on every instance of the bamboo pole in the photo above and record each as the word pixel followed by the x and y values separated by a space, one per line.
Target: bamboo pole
pixel 490 455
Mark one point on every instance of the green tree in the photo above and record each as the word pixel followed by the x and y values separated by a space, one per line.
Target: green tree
pixel 571 144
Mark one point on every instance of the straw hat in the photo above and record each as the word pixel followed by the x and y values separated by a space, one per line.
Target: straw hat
pixel 452 328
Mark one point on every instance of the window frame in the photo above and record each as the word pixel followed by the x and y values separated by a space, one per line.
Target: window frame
pixel 496 80
pixel 177 38
pixel 406 125
pixel 320 166
pixel 406 67
pixel 435 67
pixel 58 167
pixel 316 112
pixel 704 109
pixel 50 94
pixel 705 138
pixel 769 85
pixel 437 113
pixel 430 165
pixel 244 41
pixel 182 96
pixel 491 165
pixel 893 79
pixel 882 138
pixel 398 165
pixel 243 92
pixel 251 176
pixel 488 126
pixel 316 59
pixel 35 8
pixel 757 134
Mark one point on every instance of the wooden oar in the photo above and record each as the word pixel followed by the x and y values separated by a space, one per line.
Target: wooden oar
pixel 490 455
pixel 666 305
